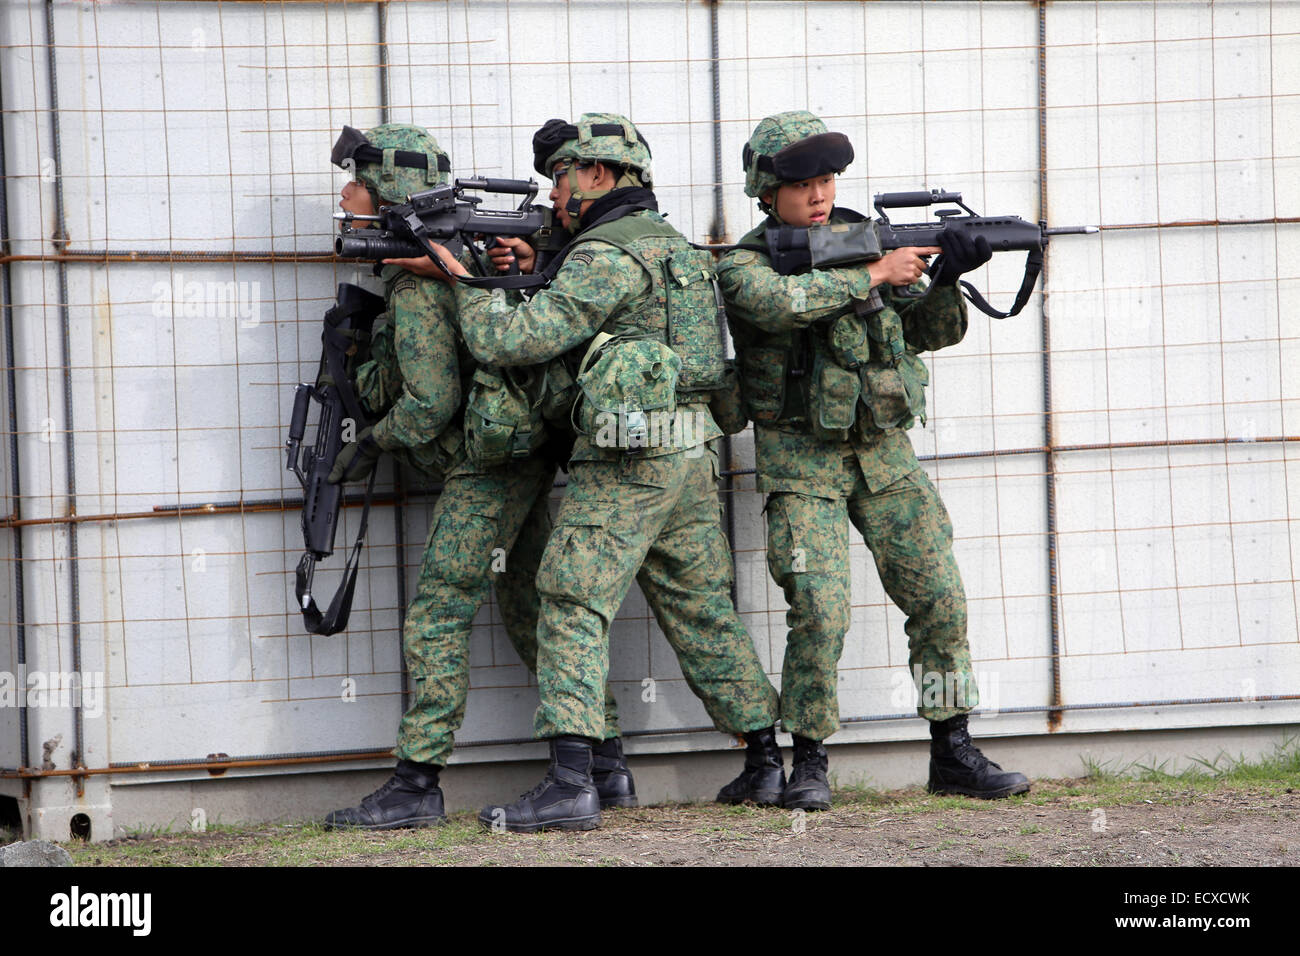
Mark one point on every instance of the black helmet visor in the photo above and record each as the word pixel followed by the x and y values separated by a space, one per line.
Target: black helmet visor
pixel 554 133
pixel 345 147
pixel 814 156
pixel 353 145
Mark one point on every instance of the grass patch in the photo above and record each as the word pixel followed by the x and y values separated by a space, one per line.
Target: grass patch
pixel 1279 770
pixel 700 828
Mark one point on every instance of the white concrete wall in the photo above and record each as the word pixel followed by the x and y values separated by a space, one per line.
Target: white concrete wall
pixel 207 127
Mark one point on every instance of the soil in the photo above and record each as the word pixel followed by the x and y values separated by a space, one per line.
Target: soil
pixel 1062 823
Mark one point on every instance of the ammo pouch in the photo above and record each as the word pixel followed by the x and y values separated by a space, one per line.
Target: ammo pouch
pixel 503 422
pixel 893 396
pixel 833 399
pixel 628 393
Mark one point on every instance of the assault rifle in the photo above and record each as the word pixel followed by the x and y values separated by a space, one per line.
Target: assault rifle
pixel 860 239
pixel 347 328
pixel 449 217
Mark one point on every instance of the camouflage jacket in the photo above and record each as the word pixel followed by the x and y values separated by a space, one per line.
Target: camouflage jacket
pixel 764 306
pixel 599 288
pixel 419 371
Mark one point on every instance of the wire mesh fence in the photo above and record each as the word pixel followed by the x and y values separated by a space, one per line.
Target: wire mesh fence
pixel 1118 460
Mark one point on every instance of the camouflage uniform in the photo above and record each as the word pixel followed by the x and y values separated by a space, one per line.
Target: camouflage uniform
pixel 416 379
pixel 814 479
pixel 655 516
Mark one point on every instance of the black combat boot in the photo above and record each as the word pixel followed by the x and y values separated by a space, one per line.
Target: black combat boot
pixel 763 779
pixel 808 788
pixel 610 774
pixel 566 799
pixel 957 766
pixel 410 798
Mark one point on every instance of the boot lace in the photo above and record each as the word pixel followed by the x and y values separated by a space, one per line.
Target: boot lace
pixel 969 755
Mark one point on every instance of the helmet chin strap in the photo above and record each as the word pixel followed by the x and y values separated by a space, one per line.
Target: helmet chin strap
pixel 770 208
pixel 576 196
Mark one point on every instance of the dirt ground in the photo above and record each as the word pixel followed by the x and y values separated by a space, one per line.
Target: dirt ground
pixel 1061 823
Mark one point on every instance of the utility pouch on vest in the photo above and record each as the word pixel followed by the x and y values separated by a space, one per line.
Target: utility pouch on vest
pixel 894 396
pixel 833 402
pixel 726 405
pixel 885 329
pixel 762 379
pixel 502 422
pixel 695 315
pixel 848 341
pixel 629 394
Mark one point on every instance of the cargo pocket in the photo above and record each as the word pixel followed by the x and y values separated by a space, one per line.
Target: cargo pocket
pixel 460 547
pixel 578 551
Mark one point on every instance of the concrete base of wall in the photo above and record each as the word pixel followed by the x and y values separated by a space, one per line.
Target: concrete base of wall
pixel 142 804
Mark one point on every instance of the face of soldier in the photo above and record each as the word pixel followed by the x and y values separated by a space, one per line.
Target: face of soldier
pixel 592 177
pixel 356 200
pixel 804 203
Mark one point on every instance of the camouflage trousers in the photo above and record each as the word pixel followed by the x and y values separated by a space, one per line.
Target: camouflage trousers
pixel 657 520
pixel 907 529
pixel 479 519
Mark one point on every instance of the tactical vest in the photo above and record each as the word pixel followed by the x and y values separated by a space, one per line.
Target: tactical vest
pixel 664 351
pixel 379 385
pixel 854 373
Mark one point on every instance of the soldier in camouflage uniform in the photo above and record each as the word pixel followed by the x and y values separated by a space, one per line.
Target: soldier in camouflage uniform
pixel 831 379
pixel 414 385
pixel 634 508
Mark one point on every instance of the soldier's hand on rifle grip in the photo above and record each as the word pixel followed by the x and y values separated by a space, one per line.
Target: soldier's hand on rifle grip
pixel 509 250
pixel 961 254
pixel 901 267
pixel 356 459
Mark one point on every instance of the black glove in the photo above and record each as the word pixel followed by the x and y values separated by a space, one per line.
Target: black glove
pixel 961 254
pixel 356 459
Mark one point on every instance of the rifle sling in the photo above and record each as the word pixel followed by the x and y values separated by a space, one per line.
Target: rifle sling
pixel 336 618
pixel 1033 267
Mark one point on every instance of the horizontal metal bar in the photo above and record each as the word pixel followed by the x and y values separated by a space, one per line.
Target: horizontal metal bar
pixel 343 756
pixel 1203 223
pixel 351 501
pixel 1096 446
pixel 234 255
pixel 175 255
pixel 1116 705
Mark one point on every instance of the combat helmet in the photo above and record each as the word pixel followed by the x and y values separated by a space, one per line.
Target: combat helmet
pixel 789 148
pixel 393 160
pixel 597 137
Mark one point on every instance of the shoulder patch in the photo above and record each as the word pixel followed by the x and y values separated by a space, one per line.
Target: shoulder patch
pixel 405 283
pixel 583 258
pixel 743 257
